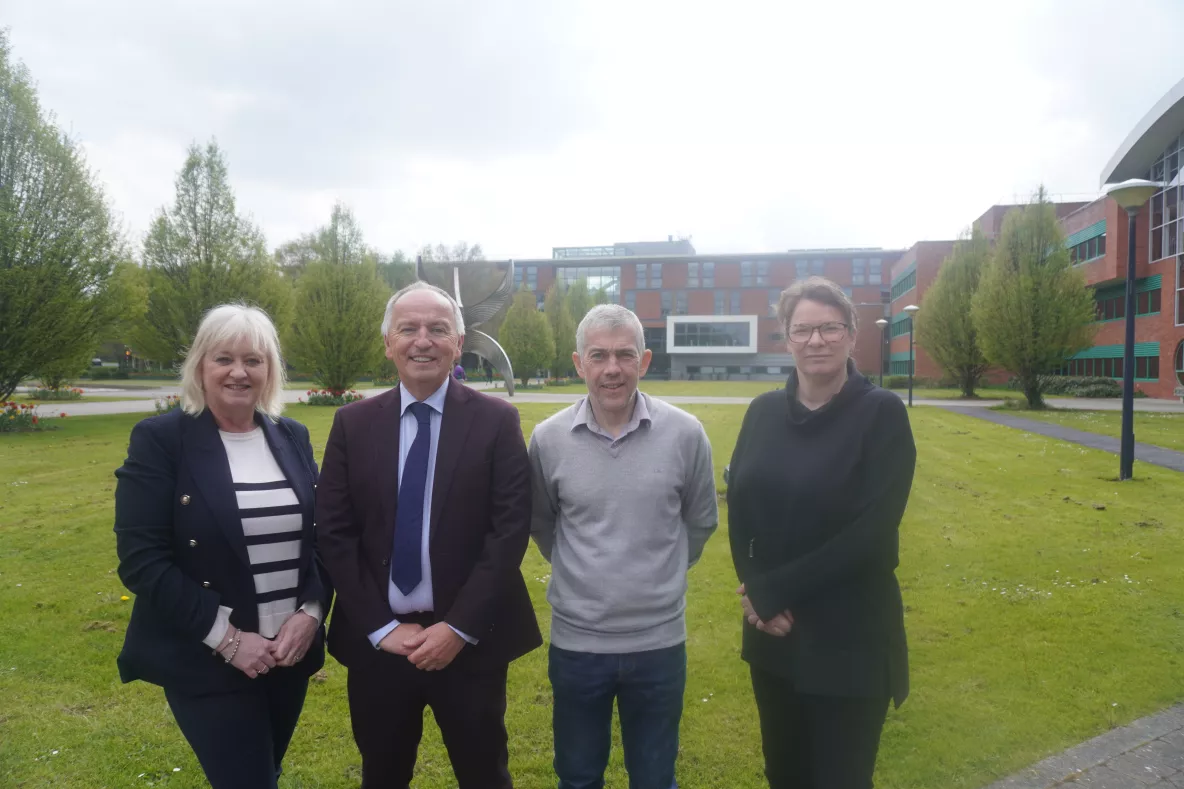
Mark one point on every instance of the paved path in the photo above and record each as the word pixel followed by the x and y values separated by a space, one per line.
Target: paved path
pixel 1148 754
pixel 1147 453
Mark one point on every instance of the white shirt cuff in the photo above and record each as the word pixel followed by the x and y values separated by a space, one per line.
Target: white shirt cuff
pixel 381 633
pixel 467 638
pixel 218 631
pixel 313 609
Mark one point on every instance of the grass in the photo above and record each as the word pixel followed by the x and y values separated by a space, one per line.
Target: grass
pixel 754 388
pixel 164 383
pixel 1040 594
pixel 1163 430
pixel 84 399
pixel 956 394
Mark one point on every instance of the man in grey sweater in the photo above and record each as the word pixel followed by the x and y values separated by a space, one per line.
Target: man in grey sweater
pixel 624 501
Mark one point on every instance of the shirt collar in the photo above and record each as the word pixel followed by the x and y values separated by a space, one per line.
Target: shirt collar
pixel 584 417
pixel 435 399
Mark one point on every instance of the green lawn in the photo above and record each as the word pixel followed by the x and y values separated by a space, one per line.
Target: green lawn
pixel 1164 430
pixel 754 388
pixel 83 399
pixel 1044 606
pixel 956 394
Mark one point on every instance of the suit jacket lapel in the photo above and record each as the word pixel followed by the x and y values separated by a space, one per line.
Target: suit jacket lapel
pixel 287 455
pixel 454 429
pixel 210 469
pixel 385 435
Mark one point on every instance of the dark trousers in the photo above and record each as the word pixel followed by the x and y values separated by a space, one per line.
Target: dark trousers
pixel 387 697
pixel 240 737
pixel 816 742
pixel 648 688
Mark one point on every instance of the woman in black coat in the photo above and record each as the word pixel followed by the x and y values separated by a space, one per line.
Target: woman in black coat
pixel 214 531
pixel 818 484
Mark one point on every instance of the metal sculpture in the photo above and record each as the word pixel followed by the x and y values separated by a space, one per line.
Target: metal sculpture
pixel 488 288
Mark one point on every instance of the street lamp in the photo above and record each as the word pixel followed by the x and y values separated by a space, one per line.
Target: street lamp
pixel 883 324
pixel 1130 195
pixel 912 310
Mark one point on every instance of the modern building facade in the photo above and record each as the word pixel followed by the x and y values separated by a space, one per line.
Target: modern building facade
pixel 714 316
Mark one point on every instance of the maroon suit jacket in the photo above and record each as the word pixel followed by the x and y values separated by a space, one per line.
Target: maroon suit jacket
pixel 479 528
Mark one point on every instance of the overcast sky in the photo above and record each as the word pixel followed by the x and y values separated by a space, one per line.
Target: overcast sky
pixel 527 124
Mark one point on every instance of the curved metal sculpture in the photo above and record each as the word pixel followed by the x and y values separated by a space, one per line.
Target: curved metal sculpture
pixel 489 289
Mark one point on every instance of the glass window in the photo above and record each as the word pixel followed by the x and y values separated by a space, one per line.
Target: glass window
pixel 655 275
pixel 1180 363
pixel 873 271
pixel 708 274
pixel 735 302
pixel 693 274
pixel 774 300
pixel 747 274
pixel 641 282
pixel 711 335
pixel 858 271
pixel 762 272
pixel 532 277
pixel 680 303
pixel 818 267
pixel 720 302
pixel 667 302
pixel 801 269
pixel 631 300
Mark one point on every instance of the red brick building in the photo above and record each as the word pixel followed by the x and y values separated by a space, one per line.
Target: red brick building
pixel 714 316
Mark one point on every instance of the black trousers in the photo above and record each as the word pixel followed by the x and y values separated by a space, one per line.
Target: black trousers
pixel 240 737
pixel 387 697
pixel 816 742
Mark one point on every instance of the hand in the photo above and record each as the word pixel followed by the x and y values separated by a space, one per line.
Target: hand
pixel 434 648
pixel 253 656
pixel 395 641
pixel 294 639
pixel 779 625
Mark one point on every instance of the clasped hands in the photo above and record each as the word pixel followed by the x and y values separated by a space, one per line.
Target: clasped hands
pixel 779 625
pixel 257 655
pixel 428 649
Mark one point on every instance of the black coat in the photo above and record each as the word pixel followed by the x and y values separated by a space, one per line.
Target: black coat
pixel 815 500
pixel 182 551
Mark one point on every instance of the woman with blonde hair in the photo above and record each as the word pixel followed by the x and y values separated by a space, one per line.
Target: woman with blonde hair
pixel 817 487
pixel 214 531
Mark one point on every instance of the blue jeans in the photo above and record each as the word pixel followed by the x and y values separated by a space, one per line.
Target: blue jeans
pixel 648 687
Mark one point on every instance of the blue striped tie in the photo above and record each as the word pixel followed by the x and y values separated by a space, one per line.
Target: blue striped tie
pixel 406 569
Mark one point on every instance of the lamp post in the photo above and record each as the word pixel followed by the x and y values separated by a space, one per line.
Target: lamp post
pixel 1130 195
pixel 912 310
pixel 883 324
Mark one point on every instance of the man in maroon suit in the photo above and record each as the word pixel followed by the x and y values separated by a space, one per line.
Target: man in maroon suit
pixel 423 516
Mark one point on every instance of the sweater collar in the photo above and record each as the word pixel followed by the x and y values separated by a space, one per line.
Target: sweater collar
pixel 856 385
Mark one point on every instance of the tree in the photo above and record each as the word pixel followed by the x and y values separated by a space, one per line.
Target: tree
pixel 563 329
pixel 397 271
pixel 339 299
pixel 945 328
pixel 579 301
pixel 1032 309
pixel 459 252
pixel 59 246
pixel 200 253
pixel 526 336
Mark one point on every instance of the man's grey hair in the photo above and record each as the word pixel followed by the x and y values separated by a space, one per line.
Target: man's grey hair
pixel 609 316
pixel 458 319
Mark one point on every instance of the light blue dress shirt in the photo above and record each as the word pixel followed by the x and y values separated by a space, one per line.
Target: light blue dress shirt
pixel 420 598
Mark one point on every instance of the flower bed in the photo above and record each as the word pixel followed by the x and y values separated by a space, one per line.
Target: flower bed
pixel 19 417
pixel 49 394
pixel 331 397
pixel 167 403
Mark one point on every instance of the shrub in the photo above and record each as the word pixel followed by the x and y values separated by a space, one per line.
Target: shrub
pixel 1076 386
pixel 331 397
pixel 47 393
pixel 19 417
pixel 387 380
pixel 167 403
pixel 107 374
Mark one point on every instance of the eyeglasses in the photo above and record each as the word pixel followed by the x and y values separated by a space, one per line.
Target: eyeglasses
pixel 801 333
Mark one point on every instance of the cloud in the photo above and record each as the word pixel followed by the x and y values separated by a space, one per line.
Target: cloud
pixel 527 124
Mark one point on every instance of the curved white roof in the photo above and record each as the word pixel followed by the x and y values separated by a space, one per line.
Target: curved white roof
pixel 1148 139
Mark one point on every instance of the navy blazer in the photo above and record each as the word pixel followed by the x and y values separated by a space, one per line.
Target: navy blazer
pixel 182 551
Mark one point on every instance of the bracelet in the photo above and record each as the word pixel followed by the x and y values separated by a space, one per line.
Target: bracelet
pixel 234 643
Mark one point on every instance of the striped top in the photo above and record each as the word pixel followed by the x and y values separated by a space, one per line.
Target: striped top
pixel 272 523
